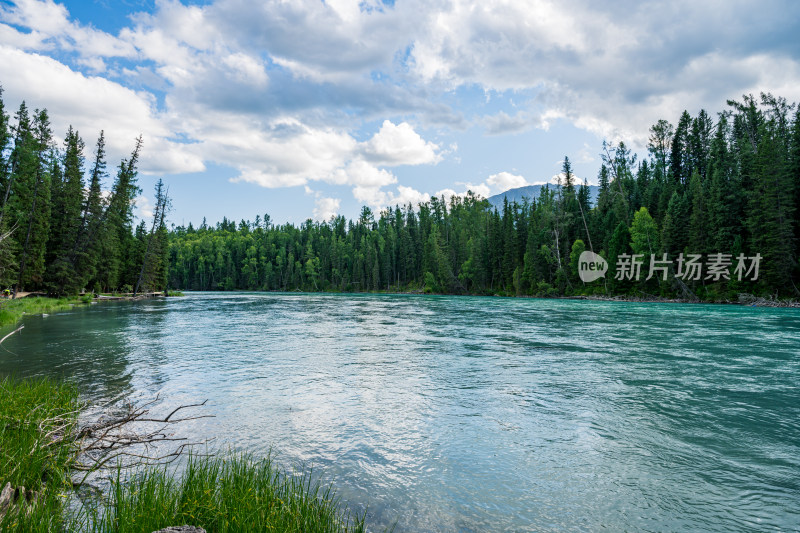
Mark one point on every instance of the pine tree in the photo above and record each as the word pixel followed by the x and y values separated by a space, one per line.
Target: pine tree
pixel 698 218
pixel 644 234
pixel 7 258
pixel 65 223
pixel 34 205
pixel 771 207
pixel 618 244
pixel 659 145
pixel 119 265
pixel 725 208
pixel 5 140
pixel 700 143
pixel 86 253
pixel 569 209
pixel 23 162
pixel 680 161
pixel 794 170
pixel 674 234
pixel 153 273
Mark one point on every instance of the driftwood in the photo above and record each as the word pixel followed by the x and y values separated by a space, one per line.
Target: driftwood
pixel 7 336
pixel 131 438
pixel 687 293
pixel 128 438
pixel 771 301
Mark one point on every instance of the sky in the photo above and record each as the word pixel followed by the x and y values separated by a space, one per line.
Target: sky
pixel 306 108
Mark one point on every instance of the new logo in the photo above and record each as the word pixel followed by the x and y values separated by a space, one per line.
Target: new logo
pixel 591 267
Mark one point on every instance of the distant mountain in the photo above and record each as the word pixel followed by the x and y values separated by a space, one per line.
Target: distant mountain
pixel 533 191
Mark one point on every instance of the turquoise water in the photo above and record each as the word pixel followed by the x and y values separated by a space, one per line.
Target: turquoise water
pixel 470 414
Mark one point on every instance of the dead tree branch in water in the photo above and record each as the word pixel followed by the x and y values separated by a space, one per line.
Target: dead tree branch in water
pixel 7 336
pixel 128 438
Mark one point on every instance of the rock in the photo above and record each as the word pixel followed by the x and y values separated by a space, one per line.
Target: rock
pixel 181 529
pixel 6 498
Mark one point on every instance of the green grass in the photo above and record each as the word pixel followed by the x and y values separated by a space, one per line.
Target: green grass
pixel 229 494
pixel 33 414
pixel 12 310
pixel 225 495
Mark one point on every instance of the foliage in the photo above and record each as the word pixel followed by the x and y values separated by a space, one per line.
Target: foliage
pixel 30 412
pixel 12 310
pixel 730 187
pixel 58 233
pixel 230 493
pixel 223 494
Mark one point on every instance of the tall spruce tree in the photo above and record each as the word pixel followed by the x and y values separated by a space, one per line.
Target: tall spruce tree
pixel 34 204
pixel 65 224
pixel 152 275
pixel 680 168
pixel 7 258
pixel 118 265
pixel 86 253
pixel 770 217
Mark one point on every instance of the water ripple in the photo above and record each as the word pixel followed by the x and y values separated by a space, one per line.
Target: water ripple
pixel 472 414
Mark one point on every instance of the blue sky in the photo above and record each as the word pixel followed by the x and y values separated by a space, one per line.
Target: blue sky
pixel 305 109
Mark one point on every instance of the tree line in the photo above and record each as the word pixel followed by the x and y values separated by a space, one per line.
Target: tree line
pixel 61 232
pixel 722 188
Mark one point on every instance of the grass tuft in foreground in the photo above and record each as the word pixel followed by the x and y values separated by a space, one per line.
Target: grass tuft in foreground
pixel 34 414
pixel 232 494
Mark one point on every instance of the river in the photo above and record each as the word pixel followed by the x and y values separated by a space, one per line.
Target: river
pixel 465 413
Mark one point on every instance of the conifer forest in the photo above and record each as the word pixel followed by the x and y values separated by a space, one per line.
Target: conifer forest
pixel 721 188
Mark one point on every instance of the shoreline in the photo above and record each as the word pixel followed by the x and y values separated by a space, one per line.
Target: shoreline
pixel 45 446
pixel 745 300
pixel 31 303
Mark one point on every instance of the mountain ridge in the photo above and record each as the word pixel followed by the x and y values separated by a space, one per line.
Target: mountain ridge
pixel 533 191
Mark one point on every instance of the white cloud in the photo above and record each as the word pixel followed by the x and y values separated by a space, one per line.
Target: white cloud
pixel 504 181
pixel 408 195
pixel 363 174
pixel 92 104
pixel 246 69
pixel 612 70
pixel 494 184
pixel 378 199
pixel 586 154
pixel 481 190
pixel 325 208
pixel 559 179
pixel 399 144
pixel 143 209
pixel 50 22
pixel 298 154
pixel 280 91
pixel 501 123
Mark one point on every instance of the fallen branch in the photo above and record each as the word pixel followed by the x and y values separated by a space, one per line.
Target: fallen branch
pixel 126 439
pixel 114 437
pixel 7 336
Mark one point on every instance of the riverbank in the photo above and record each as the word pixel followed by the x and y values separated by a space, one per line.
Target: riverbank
pixel 232 493
pixel 743 299
pixel 12 310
